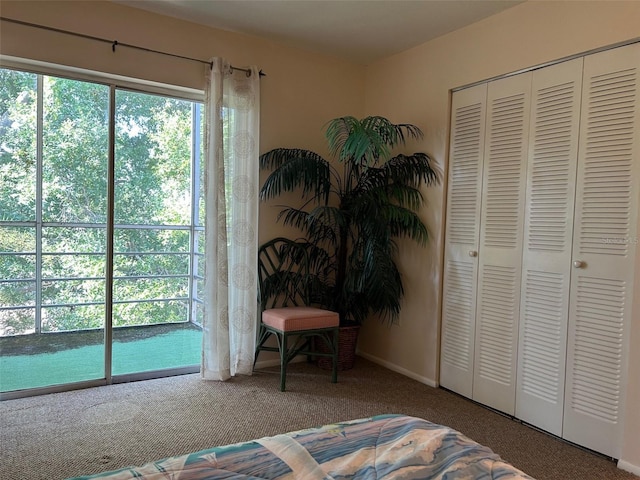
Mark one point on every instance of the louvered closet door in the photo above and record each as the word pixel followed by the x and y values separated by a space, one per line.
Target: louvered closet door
pixel 462 234
pixel 603 249
pixel 546 258
pixel 500 257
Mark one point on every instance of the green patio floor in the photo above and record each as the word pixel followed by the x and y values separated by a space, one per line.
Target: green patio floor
pixel 179 347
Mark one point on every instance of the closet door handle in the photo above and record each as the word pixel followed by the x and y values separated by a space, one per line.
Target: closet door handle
pixel 473 253
pixel 578 264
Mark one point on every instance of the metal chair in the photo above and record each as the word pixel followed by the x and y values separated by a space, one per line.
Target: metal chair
pixel 285 286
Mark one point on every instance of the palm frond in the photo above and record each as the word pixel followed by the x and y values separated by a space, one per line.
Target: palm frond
pixel 275 158
pixel 411 170
pixel 371 179
pixel 293 169
pixel 367 141
pixel 321 224
pixel 377 277
pixel 377 218
pixel 403 222
pixel 374 186
pixel 320 260
pixel 337 133
pixel 364 147
pixel 319 280
pixel 392 134
pixel 368 216
pixel 353 306
pixel 403 174
pixel 405 196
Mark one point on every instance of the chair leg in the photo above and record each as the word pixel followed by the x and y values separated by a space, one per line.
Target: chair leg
pixel 334 373
pixel 264 334
pixel 283 361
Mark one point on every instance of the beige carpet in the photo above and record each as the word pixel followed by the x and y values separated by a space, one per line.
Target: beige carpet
pixel 89 431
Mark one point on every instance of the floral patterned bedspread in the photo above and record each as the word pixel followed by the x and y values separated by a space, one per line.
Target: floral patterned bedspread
pixel 382 447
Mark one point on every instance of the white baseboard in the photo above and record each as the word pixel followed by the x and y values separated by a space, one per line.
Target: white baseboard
pixel 398 369
pixel 629 467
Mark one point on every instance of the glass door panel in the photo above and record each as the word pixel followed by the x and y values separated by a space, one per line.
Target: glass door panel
pixel 153 328
pixel 53 204
pixel 18 166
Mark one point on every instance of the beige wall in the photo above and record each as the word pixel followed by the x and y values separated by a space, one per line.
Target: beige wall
pixel 414 87
pixel 300 93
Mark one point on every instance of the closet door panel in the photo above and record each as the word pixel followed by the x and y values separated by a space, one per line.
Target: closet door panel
pixel 546 259
pixel 605 226
pixel 503 194
pixel 462 234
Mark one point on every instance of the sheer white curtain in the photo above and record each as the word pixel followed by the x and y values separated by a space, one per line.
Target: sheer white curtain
pixel 232 117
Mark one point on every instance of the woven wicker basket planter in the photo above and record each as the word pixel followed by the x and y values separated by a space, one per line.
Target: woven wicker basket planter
pixel 347 340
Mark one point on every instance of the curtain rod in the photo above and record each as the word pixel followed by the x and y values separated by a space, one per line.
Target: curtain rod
pixel 115 43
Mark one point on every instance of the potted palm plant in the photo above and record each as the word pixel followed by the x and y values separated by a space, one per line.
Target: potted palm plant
pixel 352 211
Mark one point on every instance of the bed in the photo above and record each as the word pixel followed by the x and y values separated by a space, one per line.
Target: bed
pixel 380 447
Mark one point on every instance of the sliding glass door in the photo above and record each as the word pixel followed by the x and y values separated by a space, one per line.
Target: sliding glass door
pixel 63 319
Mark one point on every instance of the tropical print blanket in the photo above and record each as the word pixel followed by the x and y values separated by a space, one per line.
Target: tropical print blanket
pixel 382 447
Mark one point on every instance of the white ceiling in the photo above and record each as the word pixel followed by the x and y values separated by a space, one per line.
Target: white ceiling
pixel 361 31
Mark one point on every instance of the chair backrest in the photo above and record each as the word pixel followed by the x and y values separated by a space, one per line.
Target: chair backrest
pixel 283 274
